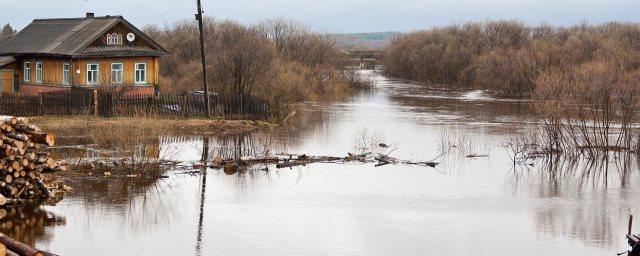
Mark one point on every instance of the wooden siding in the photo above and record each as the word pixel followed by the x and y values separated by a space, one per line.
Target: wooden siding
pixel 123 31
pixel 52 70
pixel 6 80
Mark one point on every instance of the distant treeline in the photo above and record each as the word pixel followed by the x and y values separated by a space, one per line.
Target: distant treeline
pixel 364 41
pixel 278 61
pixel 508 57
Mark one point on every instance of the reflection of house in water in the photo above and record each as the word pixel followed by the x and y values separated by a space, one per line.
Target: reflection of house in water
pixel 148 149
pixel 191 148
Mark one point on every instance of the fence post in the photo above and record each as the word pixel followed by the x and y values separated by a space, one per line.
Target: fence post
pixel 95 103
pixel 187 105
pixel 149 101
pixel 40 102
pixel 113 103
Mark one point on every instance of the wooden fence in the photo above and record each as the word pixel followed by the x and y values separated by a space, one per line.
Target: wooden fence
pixel 18 105
pixel 109 104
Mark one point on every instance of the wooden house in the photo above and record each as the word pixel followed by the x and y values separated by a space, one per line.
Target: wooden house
pixel 98 52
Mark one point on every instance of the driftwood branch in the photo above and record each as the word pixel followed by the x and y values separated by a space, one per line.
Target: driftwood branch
pixel 290 160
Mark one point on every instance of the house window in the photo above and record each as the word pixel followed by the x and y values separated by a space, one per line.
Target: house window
pixel 26 73
pixel 39 72
pixel 141 73
pixel 116 73
pixel 92 73
pixel 65 73
pixel 114 38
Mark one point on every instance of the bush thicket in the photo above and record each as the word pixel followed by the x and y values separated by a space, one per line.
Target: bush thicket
pixel 507 57
pixel 276 60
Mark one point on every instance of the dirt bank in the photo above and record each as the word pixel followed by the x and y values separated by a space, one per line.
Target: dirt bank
pixel 77 125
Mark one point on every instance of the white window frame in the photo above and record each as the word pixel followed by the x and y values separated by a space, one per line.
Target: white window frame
pixel 96 77
pixel 66 73
pixel 39 73
pixel 26 71
pixel 135 73
pixel 114 38
pixel 121 71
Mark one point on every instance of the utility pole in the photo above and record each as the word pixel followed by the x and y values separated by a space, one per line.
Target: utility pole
pixel 204 63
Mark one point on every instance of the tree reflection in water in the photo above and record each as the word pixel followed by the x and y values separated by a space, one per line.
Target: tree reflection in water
pixel 586 199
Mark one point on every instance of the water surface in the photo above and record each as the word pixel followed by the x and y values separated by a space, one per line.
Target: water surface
pixel 485 206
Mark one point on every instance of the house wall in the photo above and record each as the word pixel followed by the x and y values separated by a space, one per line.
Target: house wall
pixel 52 71
pixel 105 70
pixel 6 80
pixel 7 77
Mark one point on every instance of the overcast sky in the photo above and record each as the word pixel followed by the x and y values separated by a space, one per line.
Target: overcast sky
pixel 333 15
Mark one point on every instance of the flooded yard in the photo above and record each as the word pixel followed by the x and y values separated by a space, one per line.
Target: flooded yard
pixel 483 205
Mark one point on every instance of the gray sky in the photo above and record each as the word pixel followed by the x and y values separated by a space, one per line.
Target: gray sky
pixel 333 15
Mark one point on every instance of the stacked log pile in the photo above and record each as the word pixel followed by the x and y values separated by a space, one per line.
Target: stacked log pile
pixel 23 161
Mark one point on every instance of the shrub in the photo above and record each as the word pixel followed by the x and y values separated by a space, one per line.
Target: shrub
pixel 507 56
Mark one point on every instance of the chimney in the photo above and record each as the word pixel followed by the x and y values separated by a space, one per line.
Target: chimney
pixel 90 15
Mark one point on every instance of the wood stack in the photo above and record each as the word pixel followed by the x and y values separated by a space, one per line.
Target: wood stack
pixel 22 159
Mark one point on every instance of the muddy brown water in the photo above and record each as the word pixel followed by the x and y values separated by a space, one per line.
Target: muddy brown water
pixel 484 206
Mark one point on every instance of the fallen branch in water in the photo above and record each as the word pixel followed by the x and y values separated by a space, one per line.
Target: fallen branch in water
pixel 289 160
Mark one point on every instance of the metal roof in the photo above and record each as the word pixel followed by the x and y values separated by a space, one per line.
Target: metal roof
pixel 65 37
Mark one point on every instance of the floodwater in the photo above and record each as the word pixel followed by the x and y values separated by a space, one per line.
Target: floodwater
pixel 482 206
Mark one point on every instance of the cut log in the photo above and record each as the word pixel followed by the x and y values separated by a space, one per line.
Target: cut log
pixel 6 150
pixel 27 128
pixel 15 165
pixel 18 136
pixel 43 188
pixel 19 247
pixel 42 137
pixel 12 120
pixel 10 190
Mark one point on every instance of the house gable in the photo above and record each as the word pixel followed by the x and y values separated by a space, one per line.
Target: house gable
pixel 122 30
pixel 141 46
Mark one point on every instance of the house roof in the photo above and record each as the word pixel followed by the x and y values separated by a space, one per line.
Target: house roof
pixel 5 38
pixel 67 37
pixel 6 60
pixel 119 51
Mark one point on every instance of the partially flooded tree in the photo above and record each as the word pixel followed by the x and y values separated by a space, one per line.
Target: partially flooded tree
pixel 506 57
pixel 580 107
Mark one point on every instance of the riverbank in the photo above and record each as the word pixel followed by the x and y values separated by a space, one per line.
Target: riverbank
pixel 78 125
